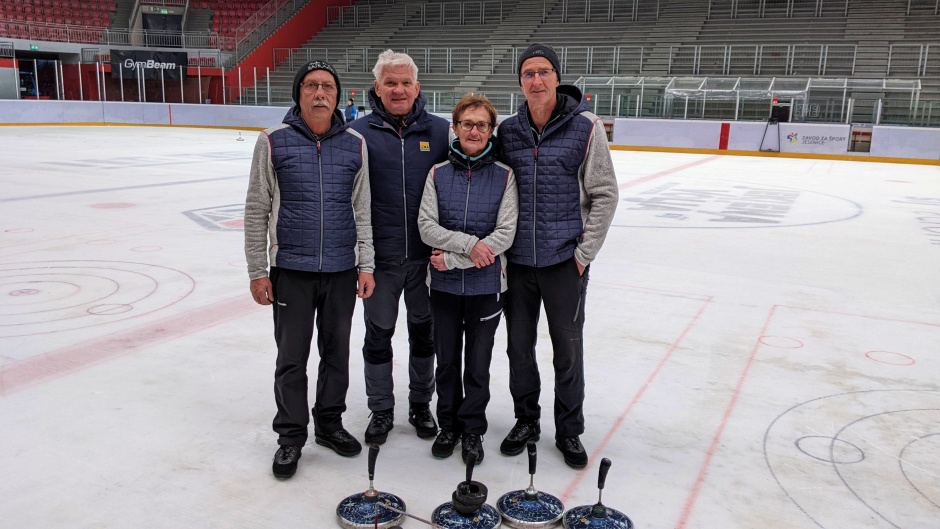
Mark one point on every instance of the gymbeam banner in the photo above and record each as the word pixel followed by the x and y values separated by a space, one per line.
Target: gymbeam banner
pixel 126 63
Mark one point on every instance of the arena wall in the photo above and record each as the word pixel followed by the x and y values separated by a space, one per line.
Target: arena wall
pixel 888 143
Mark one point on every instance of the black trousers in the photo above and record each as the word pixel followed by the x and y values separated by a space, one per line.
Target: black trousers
pixel 461 401
pixel 381 315
pixel 563 293
pixel 302 298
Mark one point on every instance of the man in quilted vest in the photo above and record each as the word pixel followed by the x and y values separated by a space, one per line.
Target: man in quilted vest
pixel 568 195
pixel 308 214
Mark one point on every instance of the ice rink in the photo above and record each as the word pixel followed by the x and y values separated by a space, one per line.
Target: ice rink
pixel 762 348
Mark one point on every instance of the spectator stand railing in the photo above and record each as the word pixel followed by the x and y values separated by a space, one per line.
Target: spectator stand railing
pixel 75 34
pixel 262 24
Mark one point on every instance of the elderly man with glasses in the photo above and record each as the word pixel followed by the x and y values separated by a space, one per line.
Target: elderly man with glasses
pixel 568 195
pixel 308 214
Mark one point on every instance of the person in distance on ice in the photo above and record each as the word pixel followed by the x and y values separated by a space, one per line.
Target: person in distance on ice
pixel 567 199
pixel 308 214
pixel 468 215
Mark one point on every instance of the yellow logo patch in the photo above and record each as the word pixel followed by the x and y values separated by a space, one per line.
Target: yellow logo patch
pixel 425 146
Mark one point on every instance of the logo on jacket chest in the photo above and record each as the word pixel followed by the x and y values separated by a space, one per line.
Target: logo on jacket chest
pixel 425 146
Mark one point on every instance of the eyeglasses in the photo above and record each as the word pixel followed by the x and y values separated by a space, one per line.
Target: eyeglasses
pixel 530 75
pixel 466 125
pixel 310 87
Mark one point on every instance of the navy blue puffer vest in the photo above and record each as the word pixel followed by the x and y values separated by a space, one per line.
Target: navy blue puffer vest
pixel 469 194
pixel 316 227
pixel 547 168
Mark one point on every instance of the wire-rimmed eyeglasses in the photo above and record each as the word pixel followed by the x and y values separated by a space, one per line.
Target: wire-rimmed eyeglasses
pixel 310 87
pixel 466 125
pixel 544 73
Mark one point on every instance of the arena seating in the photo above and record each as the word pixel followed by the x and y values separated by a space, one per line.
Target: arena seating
pixel 228 15
pixel 93 13
pixel 655 30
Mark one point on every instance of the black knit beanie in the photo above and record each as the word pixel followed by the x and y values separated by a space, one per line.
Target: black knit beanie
pixel 539 50
pixel 307 68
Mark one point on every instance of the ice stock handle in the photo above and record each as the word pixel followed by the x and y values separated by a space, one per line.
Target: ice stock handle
pixel 602 474
pixel 373 455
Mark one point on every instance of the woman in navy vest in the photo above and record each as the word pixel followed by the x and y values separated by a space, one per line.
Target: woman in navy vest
pixel 468 216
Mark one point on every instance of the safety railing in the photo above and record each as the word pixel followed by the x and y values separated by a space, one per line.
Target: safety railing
pixel 763 59
pixel 566 11
pixel 494 60
pixel 453 13
pixel 776 8
pixel 49 32
pixel 94 80
pixel 207 58
pixel 833 60
pixel 917 60
pixel 263 23
pixel 418 13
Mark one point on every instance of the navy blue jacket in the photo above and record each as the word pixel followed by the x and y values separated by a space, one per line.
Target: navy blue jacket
pixel 547 167
pixel 400 156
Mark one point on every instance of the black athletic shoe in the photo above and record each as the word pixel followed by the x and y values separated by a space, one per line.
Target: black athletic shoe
pixel 380 424
pixel 573 450
pixel 521 433
pixel 419 416
pixel 444 444
pixel 340 441
pixel 472 442
pixel 285 461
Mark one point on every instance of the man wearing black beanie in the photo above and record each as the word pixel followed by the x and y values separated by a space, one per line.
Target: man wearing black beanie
pixel 564 216
pixel 308 214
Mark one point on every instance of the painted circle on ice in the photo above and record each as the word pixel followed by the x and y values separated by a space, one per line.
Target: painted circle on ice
pixel 705 203
pixel 830 450
pixel 781 342
pixel 54 296
pixel 890 358
pixel 109 309
pixel 843 449
pixel 920 466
